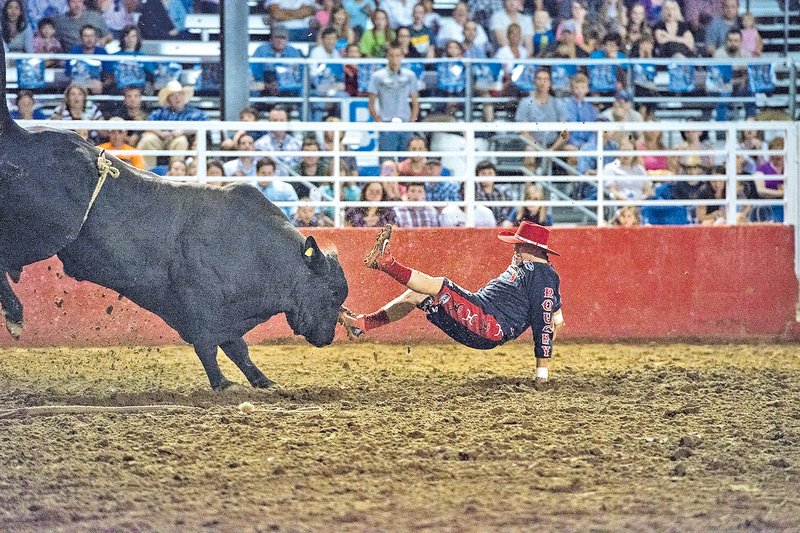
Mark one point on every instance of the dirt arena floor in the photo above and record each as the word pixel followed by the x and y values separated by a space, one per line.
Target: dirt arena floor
pixel 366 437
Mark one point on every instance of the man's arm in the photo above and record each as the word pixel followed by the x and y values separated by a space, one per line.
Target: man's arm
pixel 373 111
pixel 279 14
pixel 414 107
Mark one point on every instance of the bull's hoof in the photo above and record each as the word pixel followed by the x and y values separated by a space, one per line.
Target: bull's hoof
pixel 264 383
pixel 14 328
pixel 225 384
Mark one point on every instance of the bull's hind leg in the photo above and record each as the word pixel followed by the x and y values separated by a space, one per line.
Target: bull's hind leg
pixel 12 307
pixel 238 352
pixel 208 356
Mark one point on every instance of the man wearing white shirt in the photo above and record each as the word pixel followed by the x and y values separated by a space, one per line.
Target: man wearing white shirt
pixel 242 166
pixel 327 78
pixel 453 29
pixel 400 12
pixel 512 14
pixel 295 15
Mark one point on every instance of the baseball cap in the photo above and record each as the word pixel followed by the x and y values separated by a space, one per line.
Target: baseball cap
pixel 622 95
pixel 279 30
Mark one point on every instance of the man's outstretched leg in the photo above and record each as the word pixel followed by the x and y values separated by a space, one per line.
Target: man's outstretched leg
pixel 381 258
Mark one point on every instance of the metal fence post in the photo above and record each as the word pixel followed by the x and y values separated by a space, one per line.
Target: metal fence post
pixel 792 89
pixel 469 175
pixel 731 174
pixel 306 91
pixel 468 93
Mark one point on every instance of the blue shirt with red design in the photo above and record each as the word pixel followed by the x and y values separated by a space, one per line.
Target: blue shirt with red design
pixel 524 295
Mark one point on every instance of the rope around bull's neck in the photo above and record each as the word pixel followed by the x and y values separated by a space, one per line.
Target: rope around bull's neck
pixel 106 169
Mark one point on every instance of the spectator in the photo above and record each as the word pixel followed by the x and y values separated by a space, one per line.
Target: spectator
pixel 453 29
pixel 698 11
pixel 116 15
pixel 416 216
pixel 423 38
pixel 340 21
pixel 637 26
pixel 177 168
pixel 451 79
pixel 328 141
pixel 274 189
pixel 351 70
pixel 283 81
pixel 577 109
pixel 214 170
pixel 372 216
pixel 305 217
pixel 607 78
pixel 400 12
pixel 692 141
pixel 512 52
pixel 485 191
pixel 481 10
pixel 543 36
pixel 394 189
pixel 404 40
pixel 162 20
pixel 612 18
pixel 309 166
pixel 76 105
pixel 770 189
pixel 432 19
pixel 473 49
pixel 673 36
pixel 394 88
pixel 279 141
pixel 627 166
pixel 348 190
pixel 628 216
pixel 37 10
pixel 131 108
pixel 734 78
pixel 579 12
pixel 295 15
pixel 17 31
pixel 172 99
pixel 512 14
pixel 538 214
pixel 752 43
pixel 566 45
pixel 242 165
pixel 375 41
pixel 26 107
pixel 129 72
pixel 359 11
pixel 328 78
pixel 713 215
pixel 655 164
pixel 116 141
pixel 753 140
pixel 415 165
pixel 45 42
pixel 621 110
pixel 453 216
pixel 90 73
pixel 441 191
pixel 322 17
pixel 541 106
pixel 70 24
pixel 644 74
pixel 718 28
pixel 247 114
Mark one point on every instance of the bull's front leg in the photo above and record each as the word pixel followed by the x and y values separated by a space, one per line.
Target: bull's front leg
pixel 12 307
pixel 208 356
pixel 238 352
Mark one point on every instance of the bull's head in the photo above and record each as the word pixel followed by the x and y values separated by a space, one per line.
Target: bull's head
pixel 317 308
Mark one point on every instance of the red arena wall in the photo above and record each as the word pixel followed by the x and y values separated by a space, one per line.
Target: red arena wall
pixel 660 283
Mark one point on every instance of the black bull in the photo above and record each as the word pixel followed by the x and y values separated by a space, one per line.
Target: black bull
pixel 211 262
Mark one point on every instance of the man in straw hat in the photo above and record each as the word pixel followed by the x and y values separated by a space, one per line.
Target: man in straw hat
pixel 525 295
pixel 172 98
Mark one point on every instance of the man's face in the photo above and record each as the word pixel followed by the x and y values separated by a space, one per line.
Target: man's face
pixel 279 43
pixel 730 9
pixel 542 81
pixel 416 193
pixel 177 100
pixel 470 31
pixel 278 115
pixel 267 171
pixel 460 13
pixel 132 98
pixel 313 158
pixel 116 137
pixel 487 176
pixel 76 7
pixel 305 213
pixel 733 43
pixel 580 89
pixel 245 143
pixel 88 38
pixel 329 41
pixel 394 57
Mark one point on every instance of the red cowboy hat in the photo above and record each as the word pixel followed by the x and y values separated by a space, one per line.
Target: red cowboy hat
pixel 529 233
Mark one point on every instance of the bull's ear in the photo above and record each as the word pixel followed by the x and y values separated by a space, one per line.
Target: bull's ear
pixel 313 256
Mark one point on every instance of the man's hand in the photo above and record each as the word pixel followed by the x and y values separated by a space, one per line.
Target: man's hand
pixel 349 322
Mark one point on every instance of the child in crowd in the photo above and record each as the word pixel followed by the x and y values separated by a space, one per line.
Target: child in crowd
pixel 751 39
pixel 45 42
pixel 543 36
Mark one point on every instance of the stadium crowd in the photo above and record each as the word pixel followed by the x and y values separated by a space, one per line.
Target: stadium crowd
pixel 506 30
